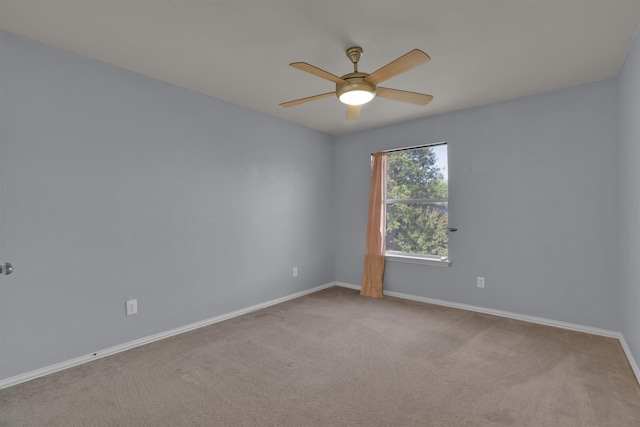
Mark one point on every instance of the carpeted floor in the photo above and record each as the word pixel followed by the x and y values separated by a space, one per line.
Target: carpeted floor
pixel 334 358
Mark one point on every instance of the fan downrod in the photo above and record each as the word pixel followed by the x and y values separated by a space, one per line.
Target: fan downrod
pixel 354 53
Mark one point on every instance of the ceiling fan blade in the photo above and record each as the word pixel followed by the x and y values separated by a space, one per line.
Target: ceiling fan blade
pixel 353 112
pixel 405 63
pixel 317 72
pixel 307 99
pixel 404 96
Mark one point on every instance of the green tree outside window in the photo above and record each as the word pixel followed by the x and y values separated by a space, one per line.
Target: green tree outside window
pixel 417 201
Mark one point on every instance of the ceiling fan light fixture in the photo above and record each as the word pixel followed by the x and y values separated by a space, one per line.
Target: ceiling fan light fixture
pixel 356 97
pixel 355 93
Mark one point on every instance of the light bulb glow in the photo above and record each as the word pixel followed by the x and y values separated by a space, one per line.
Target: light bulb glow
pixel 356 97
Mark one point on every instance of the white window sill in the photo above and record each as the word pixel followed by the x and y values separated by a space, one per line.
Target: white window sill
pixel 416 259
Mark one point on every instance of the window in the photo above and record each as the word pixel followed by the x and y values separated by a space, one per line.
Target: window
pixel 417 205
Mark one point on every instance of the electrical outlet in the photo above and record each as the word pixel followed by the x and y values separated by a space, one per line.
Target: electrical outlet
pixel 295 271
pixel 480 282
pixel 132 307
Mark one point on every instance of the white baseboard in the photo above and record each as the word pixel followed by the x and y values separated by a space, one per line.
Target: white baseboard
pixel 8 382
pixel 349 285
pixel 632 361
pixel 508 314
pixel 523 317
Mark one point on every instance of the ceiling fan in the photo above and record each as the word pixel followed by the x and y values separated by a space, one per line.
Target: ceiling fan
pixel 355 89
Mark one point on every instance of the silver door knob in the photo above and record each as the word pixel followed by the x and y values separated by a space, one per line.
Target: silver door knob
pixel 6 269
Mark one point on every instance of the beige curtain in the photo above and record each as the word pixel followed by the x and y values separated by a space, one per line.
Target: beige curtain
pixel 373 270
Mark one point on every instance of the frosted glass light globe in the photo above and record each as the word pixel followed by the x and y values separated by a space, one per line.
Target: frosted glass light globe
pixel 356 97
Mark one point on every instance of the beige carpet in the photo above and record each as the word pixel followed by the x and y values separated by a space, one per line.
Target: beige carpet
pixel 334 358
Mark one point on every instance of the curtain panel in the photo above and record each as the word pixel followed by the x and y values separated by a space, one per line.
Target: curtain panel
pixel 373 271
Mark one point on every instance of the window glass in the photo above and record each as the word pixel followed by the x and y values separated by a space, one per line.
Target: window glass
pixel 417 202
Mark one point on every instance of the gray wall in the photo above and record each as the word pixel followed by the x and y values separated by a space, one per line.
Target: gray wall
pixel 629 80
pixel 118 186
pixel 533 192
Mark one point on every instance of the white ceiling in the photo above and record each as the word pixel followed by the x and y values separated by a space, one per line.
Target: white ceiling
pixel 482 51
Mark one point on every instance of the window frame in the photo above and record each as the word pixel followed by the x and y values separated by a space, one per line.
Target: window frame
pixel 419 258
